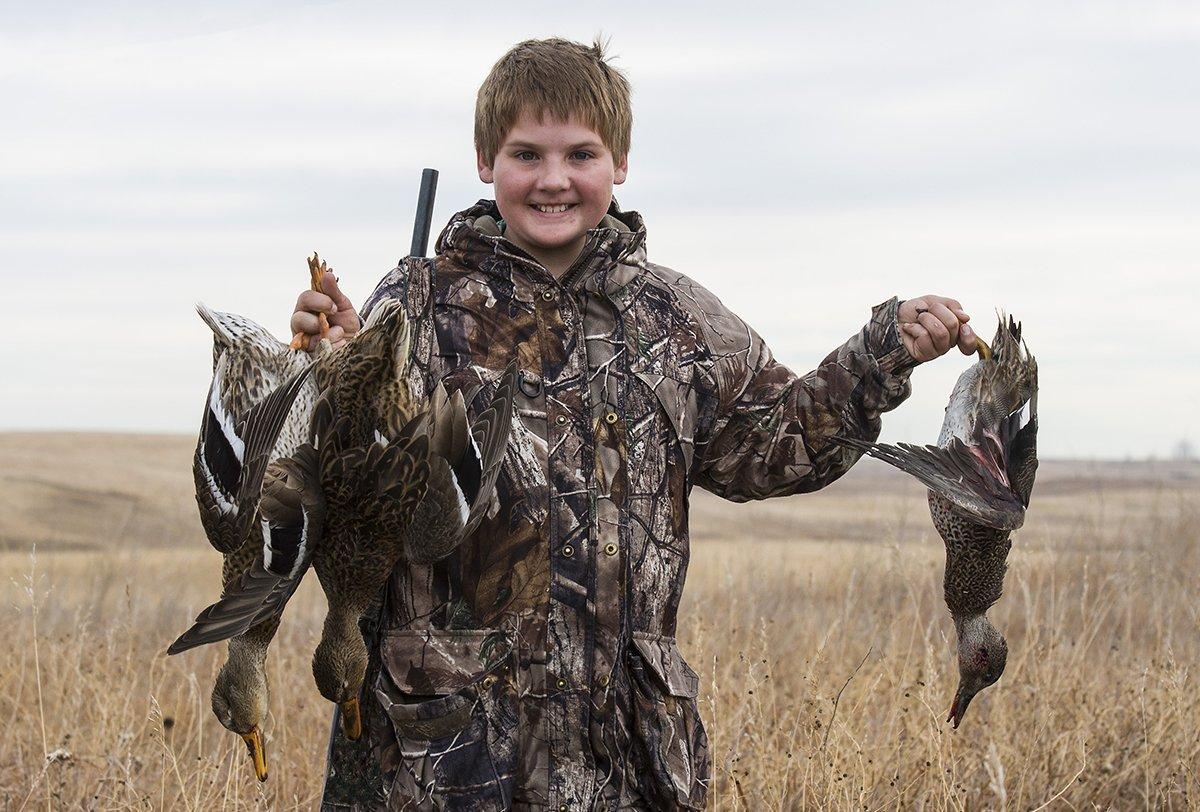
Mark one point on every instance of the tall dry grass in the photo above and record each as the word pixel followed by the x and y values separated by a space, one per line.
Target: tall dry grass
pixel 824 650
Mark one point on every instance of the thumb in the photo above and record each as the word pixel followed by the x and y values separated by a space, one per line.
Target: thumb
pixel 329 286
pixel 346 315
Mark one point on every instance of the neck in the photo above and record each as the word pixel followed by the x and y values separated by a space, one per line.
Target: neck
pixel 250 649
pixel 974 629
pixel 555 260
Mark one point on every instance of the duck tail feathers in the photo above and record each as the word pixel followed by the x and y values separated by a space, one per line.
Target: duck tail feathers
pixel 230 328
pixel 489 436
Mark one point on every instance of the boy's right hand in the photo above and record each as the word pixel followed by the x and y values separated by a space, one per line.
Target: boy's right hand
pixel 338 309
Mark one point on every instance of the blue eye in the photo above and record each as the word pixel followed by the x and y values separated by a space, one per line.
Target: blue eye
pixel 525 155
pixel 581 155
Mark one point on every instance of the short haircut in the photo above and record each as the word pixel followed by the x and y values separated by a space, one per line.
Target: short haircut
pixel 559 78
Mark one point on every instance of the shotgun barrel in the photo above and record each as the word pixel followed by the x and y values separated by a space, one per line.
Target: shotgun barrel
pixel 420 238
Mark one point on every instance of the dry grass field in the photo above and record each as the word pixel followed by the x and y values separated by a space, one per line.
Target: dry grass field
pixel 816 624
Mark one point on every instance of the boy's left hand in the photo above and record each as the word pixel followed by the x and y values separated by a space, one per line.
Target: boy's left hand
pixel 931 325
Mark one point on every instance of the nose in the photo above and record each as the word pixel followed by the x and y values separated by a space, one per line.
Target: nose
pixel 554 176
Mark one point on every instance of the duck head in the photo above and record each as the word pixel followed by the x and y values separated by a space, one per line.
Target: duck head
pixel 340 666
pixel 240 701
pixel 982 654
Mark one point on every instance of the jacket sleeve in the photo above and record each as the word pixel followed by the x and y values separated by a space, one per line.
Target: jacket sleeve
pixel 766 431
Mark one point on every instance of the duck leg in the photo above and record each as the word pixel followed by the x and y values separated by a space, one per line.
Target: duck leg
pixel 985 351
pixel 316 269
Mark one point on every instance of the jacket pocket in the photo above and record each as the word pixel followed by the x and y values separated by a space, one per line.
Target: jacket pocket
pixel 666 724
pixel 453 720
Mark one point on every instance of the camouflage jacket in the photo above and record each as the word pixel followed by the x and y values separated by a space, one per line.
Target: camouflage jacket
pixel 536 667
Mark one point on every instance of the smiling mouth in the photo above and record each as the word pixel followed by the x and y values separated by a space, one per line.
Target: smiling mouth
pixel 556 209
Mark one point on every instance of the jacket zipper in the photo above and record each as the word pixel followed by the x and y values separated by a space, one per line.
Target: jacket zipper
pixel 571 276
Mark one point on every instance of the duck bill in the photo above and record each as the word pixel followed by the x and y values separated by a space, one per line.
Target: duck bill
pixel 351 719
pixel 958 708
pixel 258 752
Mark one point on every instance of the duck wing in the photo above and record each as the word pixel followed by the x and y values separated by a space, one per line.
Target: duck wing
pixel 232 455
pixel 292 513
pixel 464 462
pixel 955 473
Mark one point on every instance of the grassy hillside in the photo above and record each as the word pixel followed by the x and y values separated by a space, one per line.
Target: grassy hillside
pixel 79 491
pixel 816 624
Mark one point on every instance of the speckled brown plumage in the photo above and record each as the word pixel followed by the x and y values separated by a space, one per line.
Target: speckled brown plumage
pixel 975 559
pixel 250 419
pixel 344 501
pixel 980 478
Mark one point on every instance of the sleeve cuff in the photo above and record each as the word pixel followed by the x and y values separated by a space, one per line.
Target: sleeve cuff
pixel 883 341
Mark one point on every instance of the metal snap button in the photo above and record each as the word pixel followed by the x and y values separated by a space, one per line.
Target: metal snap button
pixel 531 385
pixel 548 295
pixel 489 681
pixel 610 418
pixel 603 681
pixel 610 548
pixel 561 420
pixel 562 684
pixel 568 551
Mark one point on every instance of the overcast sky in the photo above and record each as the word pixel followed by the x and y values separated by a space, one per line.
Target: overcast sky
pixel 804 162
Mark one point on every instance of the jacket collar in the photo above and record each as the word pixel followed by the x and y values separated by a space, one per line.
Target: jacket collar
pixel 474 238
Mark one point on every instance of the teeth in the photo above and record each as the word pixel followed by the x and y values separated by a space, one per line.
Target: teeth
pixel 551 209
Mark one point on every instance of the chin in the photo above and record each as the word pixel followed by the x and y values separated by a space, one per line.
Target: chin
pixel 552 240
pixel 556 243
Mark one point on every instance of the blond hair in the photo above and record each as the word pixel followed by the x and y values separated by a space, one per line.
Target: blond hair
pixel 559 78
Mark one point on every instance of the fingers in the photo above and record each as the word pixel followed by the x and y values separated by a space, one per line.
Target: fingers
pixel 966 340
pixel 310 341
pixel 918 342
pixel 305 322
pixel 909 309
pixel 313 302
pixel 948 320
pixel 931 325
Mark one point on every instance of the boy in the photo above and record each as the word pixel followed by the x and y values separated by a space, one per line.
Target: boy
pixel 536 667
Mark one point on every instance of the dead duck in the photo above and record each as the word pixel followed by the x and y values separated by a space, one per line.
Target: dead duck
pixel 248 422
pixel 402 477
pixel 980 477
pixel 385 475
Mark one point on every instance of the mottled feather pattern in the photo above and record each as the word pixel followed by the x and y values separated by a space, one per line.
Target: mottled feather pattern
pixel 980 478
pixel 248 415
pixel 975 558
pixel 344 500
pixel 954 473
pixel 466 462
pixel 490 432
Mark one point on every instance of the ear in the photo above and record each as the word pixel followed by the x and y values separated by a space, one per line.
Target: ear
pixel 485 172
pixel 620 170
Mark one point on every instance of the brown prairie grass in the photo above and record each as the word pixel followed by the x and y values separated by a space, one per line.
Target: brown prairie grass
pixel 816 624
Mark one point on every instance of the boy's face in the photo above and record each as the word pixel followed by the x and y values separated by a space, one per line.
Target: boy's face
pixel 555 165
